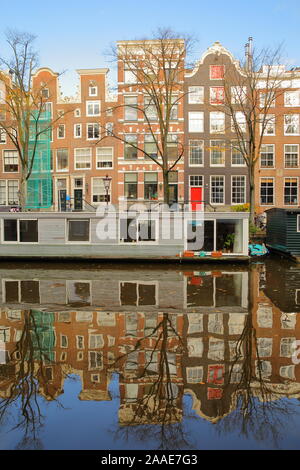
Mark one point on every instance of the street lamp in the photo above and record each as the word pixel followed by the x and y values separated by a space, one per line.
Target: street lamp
pixel 107 181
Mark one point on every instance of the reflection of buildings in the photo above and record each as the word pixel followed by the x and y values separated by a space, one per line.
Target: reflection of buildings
pixel 212 348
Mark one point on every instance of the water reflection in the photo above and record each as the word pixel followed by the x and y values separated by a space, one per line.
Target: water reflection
pixel 213 335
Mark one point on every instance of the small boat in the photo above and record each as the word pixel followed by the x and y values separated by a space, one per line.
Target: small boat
pixel 258 250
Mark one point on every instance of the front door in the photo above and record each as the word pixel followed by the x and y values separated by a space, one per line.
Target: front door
pixel 78 199
pixel 173 193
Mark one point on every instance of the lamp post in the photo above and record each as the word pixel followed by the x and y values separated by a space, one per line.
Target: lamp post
pixel 107 181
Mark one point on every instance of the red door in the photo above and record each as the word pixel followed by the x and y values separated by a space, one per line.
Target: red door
pixel 196 198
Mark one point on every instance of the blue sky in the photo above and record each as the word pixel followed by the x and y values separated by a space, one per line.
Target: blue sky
pixel 75 34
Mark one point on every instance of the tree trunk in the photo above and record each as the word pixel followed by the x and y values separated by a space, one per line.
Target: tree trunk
pixel 166 186
pixel 252 195
pixel 23 191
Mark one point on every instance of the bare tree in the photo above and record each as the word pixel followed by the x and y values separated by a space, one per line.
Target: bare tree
pixel 24 117
pixel 250 94
pixel 155 70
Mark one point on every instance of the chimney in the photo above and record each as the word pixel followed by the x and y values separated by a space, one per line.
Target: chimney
pixel 247 54
pixel 250 52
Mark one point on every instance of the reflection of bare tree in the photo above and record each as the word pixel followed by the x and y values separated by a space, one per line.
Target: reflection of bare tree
pixel 157 414
pixel 23 376
pixel 259 411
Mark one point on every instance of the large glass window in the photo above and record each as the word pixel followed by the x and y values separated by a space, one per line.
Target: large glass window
pixel 229 236
pixel 217 152
pixel 62 159
pixel 99 191
pixel 217 95
pixel 78 230
pixel 150 109
pixel 150 186
pixel 9 192
pixel 292 98
pixel 196 151
pixel 291 156
pixel 196 94
pixel 267 124
pixel 267 191
pixel 25 231
pixel 131 111
pixel 217 122
pixel 104 157
pixel 217 189
pixel 291 124
pixel 237 158
pixel 83 159
pixel 291 191
pixel 93 131
pixel 10 161
pixel 93 108
pixel 238 190
pixel 196 121
pixel 131 185
pixel 130 152
pixel 150 146
pixel 172 146
pixel 267 156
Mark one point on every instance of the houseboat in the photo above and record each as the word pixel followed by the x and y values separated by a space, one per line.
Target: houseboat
pixel 283 232
pixel 131 235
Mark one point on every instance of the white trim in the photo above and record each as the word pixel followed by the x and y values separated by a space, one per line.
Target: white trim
pixel 67 241
pixel 245 184
pixel 5 242
pixel 210 190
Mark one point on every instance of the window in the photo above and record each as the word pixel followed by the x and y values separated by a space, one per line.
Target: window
pixel 78 230
pixel 10 161
pixel 291 124
pixel 130 73
pixel 130 152
pixel 237 158
pixel 150 146
pixel 238 94
pixel 150 109
pixel 99 191
pixel 9 192
pixel 292 98
pixel 95 360
pixel 286 347
pixel 77 131
pixel 61 131
pixel 291 156
pixel 217 95
pixel 238 124
pixel 93 108
pixel 290 191
pixel 96 341
pixel 133 230
pixel 131 111
pixel 150 186
pixel 267 191
pixel 238 190
pixel 93 90
pixel 62 159
pixel 268 123
pixel 267 156
pixel 104 157
pixel 196 121
pixel 217 189
pixel 109 128
pixel 77 112
pixel 2 135
pixel 172 146
pixel 47 108
pixel 217 152
pixel 93 131
pixel 174 108
pixel 287 372
pixel 45 93
pixel 196 151
pixel 196 94
pixel 83 159
pixel 24 231
pixel 267 99
pixel 216 72
pixel 63 341
pixel 130 185
pixel 196 181
pixel 264 347
pixel 135 293
pixel 217 123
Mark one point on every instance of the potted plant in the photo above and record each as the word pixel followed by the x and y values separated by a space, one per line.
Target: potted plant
pixel 228 243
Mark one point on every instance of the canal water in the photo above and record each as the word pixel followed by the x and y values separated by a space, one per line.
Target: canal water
pixel 150 356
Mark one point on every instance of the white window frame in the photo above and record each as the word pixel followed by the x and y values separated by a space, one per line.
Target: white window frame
pixel 274 157
pixel 94 193
pixel 61 126
pixel 112 158
pixel 296 204
pixel 285 125
pixel 235 165
pixel 87 130
pixel 18 233
pixel 274 191
pixel 245 184
pixel 90 158
pixel 200 121
pixel 6 190
pixel 190 147
pixel 77 112
pixel 56 165
pixel 292 92
pixel 3 134
pixel 210 155
pixel 80 127
pixel 142 242
pixel 86 242
pixel 94 103
pixel 3 159
pixel 196 97
pixel 210 190
pixel 212 116
pixel 269 118
pixel 93 94
pixel 284 151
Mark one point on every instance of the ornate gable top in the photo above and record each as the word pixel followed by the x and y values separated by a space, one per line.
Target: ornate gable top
pixel 215 48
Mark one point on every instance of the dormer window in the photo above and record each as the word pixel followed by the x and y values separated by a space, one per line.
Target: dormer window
pixel 45 93
pixel 93 90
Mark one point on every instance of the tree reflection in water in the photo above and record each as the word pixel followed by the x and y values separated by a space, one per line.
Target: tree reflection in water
pixel 25 377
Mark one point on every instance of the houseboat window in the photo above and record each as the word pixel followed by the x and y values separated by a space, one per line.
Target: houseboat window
pixel 25 231
pixel 28 231
pixel 229 236
pixel 10 230
pixel 78 230
pixel 132 230
pixel 199 236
